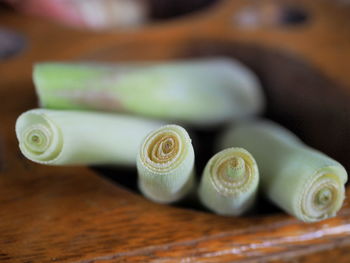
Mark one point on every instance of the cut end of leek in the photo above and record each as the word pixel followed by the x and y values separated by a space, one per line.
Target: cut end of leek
pixel 39 138
pixel 323 196
pixel 229 182
pixel 165 164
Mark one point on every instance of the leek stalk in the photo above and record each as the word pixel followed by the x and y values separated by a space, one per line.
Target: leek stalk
pixel 197 92
pixel 165 165
pixel 77 137
pixel 229 182
pixel 303 181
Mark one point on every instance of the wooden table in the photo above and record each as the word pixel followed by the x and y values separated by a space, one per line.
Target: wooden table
pixel 72 214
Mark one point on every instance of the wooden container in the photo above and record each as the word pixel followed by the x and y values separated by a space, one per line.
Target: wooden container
pixel 72 214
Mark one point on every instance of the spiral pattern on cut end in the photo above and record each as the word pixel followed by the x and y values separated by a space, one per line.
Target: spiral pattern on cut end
pixel 39 139
pixel 323 196
pixel 165 164
pixel 232 171
pixel 164 149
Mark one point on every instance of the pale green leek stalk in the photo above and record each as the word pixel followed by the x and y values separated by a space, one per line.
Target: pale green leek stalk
pixel 76 137
pixel 303 181
pixel 165 165
pixel 197 92
pixel 229 182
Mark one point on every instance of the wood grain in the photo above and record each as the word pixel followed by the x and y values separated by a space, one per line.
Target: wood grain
pixel 71 214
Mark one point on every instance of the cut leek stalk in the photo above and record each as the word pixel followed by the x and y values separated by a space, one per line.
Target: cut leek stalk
pixel 229 182
pixel 165 165
pixel 76 137
pixel 302 181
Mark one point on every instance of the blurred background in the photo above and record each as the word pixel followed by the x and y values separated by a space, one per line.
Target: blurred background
pixel 127 14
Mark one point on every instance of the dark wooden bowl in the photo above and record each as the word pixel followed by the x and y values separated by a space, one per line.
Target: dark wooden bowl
pixel 73 214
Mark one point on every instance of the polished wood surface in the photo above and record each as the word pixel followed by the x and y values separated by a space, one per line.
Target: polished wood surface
pixel 71 214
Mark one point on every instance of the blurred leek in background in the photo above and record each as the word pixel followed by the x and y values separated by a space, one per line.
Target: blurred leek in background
pixel 195 92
